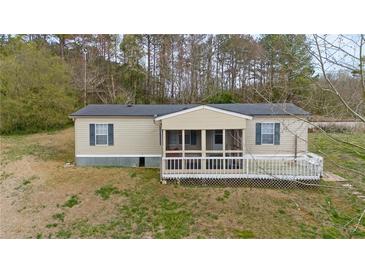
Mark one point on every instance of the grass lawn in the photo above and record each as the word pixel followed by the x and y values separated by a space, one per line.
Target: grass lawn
pixel 40 198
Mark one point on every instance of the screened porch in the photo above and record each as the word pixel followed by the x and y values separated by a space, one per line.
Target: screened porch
pixel 220 153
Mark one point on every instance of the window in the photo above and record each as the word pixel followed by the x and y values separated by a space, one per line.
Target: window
pixel 218 137
pixel 174 137
pixel 187 137
pixel 267 133
pixel 190 137
pixel 101 134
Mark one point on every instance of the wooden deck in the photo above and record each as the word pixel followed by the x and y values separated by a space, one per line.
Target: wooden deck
pixel 308 167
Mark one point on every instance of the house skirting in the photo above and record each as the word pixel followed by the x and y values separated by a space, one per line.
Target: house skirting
pixel 119 160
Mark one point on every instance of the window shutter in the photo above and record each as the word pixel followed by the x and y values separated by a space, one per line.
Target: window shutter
pixel 193 137
pixel 92 134
pixel 277 134
pixel 110 134
pixel 258 133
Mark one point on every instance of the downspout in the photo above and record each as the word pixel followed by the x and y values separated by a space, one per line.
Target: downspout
pixel 160 141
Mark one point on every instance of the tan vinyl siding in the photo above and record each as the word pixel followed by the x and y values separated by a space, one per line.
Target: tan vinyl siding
pixel 203 119
pixel 289 126
pixel 132 136
pixel 140 135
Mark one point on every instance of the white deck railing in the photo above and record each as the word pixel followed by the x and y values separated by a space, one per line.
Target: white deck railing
pixel 308 167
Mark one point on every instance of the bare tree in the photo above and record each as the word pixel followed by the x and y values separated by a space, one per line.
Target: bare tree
pixel 341 53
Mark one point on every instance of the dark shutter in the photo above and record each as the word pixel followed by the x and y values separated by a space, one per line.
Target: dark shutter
pixel 258 133
pixel 193 137
pixel 110 134
pixel 92 134
pixel 277 134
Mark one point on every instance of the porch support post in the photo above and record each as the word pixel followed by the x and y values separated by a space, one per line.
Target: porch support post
pixel 163 151
pixel 183 148
pixel 224 148
pixel 163 143
pixel 243 142
pixel 204 148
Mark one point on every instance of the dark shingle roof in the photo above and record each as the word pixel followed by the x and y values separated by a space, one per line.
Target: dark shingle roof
pixel 159 110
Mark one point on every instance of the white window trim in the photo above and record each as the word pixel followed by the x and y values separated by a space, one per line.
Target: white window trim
pixel 273 133
pixel 107 135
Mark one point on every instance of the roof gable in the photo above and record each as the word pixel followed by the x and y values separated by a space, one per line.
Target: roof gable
pixel 202 107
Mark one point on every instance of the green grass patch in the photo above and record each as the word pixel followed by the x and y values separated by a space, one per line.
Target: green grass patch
pixel 59 216
pixel 63 234
pixel 51 225
pixel 337 155
pixel 146 174
pixel 5 175
pixel 244 234
pixel 224 197
pixel 132 174
pixel 331 233
pixel 308 232
pixel 25 182
pixel 106 191
pixel 20 147
pixel 171 220
pixel 358 234
pixel 72 201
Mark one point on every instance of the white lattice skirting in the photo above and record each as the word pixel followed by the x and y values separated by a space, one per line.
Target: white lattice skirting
pixel 268 168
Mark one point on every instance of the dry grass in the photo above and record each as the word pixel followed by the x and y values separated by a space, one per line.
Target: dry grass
pixel 40 198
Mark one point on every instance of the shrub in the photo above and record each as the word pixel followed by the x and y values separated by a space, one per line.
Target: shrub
pixel 225 97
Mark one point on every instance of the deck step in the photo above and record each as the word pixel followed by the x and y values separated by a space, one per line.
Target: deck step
pixel 331 177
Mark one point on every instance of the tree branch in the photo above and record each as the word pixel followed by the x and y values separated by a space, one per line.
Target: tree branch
pixel 331 85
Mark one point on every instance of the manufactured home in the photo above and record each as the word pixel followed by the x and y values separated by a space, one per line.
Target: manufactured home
pixel 220 141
